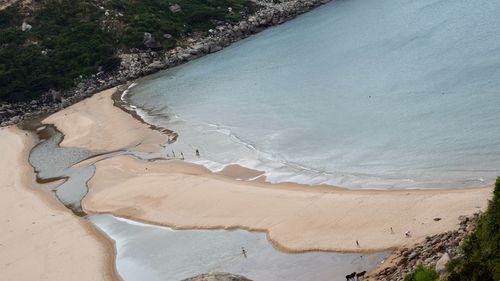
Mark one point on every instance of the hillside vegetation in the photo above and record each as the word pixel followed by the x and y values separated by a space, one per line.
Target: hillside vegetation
pixel 64 40
pixel 479 258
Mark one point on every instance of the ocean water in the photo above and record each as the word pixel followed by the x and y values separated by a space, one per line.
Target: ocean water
pixel 357 93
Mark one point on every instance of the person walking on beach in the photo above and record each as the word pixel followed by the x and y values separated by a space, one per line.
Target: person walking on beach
pixel 197 153
pixel 244 252
pixel 357 243
pixel 182 156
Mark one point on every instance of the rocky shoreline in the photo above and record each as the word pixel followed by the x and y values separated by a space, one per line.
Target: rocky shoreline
pixel 435 252
pixel 139 63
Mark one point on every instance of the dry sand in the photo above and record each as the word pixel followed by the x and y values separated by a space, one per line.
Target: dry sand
pixel 39 238
pixel 296 218
pixel 96 124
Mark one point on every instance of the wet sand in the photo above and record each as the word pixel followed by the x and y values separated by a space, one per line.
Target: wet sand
pixel 40 238
pixel 297 218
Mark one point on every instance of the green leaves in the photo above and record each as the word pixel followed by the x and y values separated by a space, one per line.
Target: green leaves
pixel 70 38
pixel 422 273
pixel 479 258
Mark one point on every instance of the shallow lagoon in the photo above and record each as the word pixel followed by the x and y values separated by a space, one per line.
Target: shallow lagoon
pixel 146 252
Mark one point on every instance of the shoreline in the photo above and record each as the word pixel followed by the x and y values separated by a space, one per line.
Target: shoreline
pixel 140 63
pixel 177 193
pixel 162 203
pixel 261 175
pixel 39 231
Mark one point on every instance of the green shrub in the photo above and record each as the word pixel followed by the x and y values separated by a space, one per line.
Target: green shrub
pixel 479 256
pixel 422 273
pixel 77 42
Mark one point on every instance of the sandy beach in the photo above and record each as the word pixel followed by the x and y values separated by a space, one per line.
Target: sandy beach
pixel 40 238
pixel 297 218
pixel 96 124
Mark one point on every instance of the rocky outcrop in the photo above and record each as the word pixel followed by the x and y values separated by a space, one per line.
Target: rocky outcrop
pixel 138 63
pixel 435 251
pixel 175 8
pixel 218 276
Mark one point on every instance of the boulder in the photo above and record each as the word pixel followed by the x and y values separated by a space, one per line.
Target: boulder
pixel 441 264
pixel 150 42
pixel 218 276
pixel 175 8
pixel 26 26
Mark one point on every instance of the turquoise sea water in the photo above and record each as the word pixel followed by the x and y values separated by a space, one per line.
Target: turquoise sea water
pixel 357 93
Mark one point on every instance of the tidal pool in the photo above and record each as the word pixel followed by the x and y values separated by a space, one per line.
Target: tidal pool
pixel 147 252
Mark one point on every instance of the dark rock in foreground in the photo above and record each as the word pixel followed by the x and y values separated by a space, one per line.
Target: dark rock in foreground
pixel 218 276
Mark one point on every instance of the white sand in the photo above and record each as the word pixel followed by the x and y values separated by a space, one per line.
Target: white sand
pixel 39 238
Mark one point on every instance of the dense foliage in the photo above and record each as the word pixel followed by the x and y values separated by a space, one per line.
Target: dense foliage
pixel 479 258
pixel 73 38
pixel 422 273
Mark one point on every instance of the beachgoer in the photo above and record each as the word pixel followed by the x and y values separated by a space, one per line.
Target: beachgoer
pixel 197 152
pixel 407 233
pixel 173 153
pixel 392 231
pixel 357 243
pixel 244 252
pixel 182 156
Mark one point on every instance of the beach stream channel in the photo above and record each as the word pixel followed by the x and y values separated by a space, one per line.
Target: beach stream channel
pixel 150 252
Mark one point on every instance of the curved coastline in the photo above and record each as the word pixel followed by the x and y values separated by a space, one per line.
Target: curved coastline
pixel 274 169
pixel 49 150
pixel 117 188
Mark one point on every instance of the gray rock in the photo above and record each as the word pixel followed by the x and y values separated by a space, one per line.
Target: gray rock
pixel 175 8
pixel 15 119
pixel 218 276
pixel 150 42
pixel 26 26
pixel 156 64
pixel 441 264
